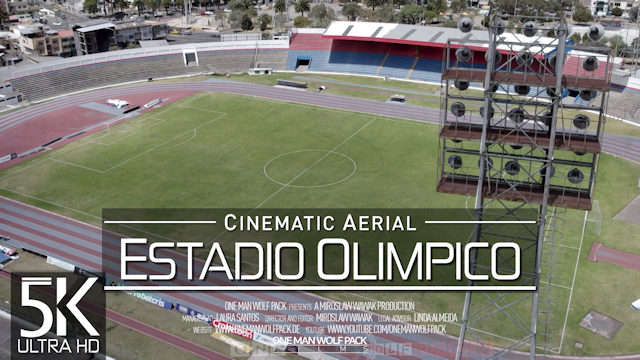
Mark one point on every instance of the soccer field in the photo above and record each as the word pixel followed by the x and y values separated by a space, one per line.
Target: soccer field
pixel 215 150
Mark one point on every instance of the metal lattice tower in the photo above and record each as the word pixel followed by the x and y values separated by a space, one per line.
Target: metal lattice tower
pixel 519 149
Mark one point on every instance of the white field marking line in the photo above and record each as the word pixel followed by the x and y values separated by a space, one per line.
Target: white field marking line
pixel 318 288
pixel 160 121
pixel 52 203
pixel 564 246
pixel 557 285
pixel 573 282
pixel 193 136
pixel 87 141
pixel 302 173
pixel 161 144
pixel 77 165
pixel 266 173
pixel 201 109
pixel 57 156
pixel 314 163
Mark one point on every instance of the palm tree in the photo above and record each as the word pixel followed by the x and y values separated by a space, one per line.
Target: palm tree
pixel 140 5
pixel 301 6
pixel 280 6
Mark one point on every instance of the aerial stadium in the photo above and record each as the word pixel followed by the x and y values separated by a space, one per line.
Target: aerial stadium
pixel 503 130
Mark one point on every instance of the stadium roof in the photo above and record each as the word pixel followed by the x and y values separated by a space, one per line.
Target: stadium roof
pixel 399 33
pixel 421 35
pixel 106 25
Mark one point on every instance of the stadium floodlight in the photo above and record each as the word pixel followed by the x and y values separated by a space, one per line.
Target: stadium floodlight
pixel 491 111
pixel 562 27
pixel 512 167
pixel 489 160
pixel 516 115
pixel 579 153
pixel 522 89
pixel 551 170
pixel 551 60
pixel 498 27
pixel 463 54
pixel 546 118
pixel 465 24
pixel 524 58
pixel 588 94
pixel 493 88
pixel 458 109
pixel 516 147
pixel 530 29
pixel 575 176
pixel 497 57
pixel 581 121
pixel 596 32
pixel 461 84
pixel 590 63
pixel 455 162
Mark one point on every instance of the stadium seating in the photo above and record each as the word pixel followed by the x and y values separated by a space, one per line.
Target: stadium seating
pixel 274 59
pixel 50 84
pixel 624 105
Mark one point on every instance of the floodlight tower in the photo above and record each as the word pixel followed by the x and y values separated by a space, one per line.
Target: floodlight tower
pixel 513 149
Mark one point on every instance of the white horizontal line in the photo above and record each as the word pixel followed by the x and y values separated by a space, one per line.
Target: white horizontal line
pixel 482 222
pixel 159 222
pixel 318 288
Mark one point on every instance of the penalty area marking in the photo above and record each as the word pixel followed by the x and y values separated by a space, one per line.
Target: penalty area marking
pixel 327 153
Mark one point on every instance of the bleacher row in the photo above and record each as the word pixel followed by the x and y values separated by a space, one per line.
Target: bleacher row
pixel 54 83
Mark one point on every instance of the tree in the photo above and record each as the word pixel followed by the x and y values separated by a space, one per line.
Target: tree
pixel 152 4
pixel 616 11
pixel 120 4
pixel 220 15
pixel 458 5
pixel 3 15
pixel 301 22
pixel 240 5
pixel 373 3
pixel 617 45
pixel 322 14
pixel 429 15
pixel 166 4
pixel 582 15
pixel 139 4
pixel 400 3
pixel 438 7
pixel 90 6
pixel 247 24
pixel 351 11
pixel 576 38
pixel 280 6
pixel 301 6
pixel 633 14
pixel 264 21
pixel 411 14
pixel 180 4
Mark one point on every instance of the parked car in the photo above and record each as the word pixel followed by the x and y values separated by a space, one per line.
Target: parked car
pixel 56 23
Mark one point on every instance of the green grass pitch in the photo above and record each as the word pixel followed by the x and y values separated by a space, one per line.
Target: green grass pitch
pixel 221 150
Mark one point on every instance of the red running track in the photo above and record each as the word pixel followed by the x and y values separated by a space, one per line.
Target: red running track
pixel 19 136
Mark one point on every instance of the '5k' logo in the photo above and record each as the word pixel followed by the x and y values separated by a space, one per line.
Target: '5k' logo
pixel 47 315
